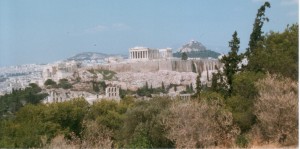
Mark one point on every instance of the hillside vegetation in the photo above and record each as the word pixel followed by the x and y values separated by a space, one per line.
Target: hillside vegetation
pixel 197 54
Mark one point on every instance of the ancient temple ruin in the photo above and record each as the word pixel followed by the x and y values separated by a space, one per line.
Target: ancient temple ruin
pixel 143 53
pixel 112 92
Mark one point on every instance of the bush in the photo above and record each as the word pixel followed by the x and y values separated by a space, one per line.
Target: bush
pixel 242 141
pixel 64 83
pixel 50 82
pixel 200 124
pixel 276 109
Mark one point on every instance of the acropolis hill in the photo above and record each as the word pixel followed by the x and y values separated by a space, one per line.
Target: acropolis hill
pixel 144 66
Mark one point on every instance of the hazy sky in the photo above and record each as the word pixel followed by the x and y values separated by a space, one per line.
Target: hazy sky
pixel 40 31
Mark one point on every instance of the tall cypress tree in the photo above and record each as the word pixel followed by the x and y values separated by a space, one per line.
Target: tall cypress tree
pixel 231 61
pixel 256 36
pixel 198 85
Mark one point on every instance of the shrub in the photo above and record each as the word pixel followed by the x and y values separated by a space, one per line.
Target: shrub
pixel 276 109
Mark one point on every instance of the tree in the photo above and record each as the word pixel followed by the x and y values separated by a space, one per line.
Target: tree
pixel 11 103
pixel 241 101
pixel 278 53
pixel 242 112
pixel 256 36
pixel 200 124
pixel 50 82
pixel 64 83
pixel 142 125
pixel 244 84
pixel 146 86
pixel 184 56
pixel 163 87
pixel 276 109
pixel 231 61
pixel 218 83
pixel 198 85
pixel 96 135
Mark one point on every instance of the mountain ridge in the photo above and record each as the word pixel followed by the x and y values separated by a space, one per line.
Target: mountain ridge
pixel 92 56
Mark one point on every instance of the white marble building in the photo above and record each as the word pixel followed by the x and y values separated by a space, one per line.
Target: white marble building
pixel 143 53
pixel 165 53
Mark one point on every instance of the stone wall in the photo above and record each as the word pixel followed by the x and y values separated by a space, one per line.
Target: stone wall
pixel 157 65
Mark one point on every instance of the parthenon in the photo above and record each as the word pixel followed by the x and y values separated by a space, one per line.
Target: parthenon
pixel 142 53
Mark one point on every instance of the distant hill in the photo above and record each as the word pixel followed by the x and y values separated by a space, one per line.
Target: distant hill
pixel 192 46
pixel 92 56
pixel 195 49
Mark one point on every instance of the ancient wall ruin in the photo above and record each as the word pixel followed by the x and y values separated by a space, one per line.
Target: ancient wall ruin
pixel 157 65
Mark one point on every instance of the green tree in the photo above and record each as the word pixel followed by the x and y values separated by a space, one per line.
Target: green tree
pixel 198 85
pixel 146 86
pixel 278 53
pixel 184 56
pixel 163 86
pixel 231 61
pixel 65 84
pixel 244 84
pixel 241 102
pixel 50 82
pixel 11 103
pixel 242 112
pixel 256 36
pixel 142 124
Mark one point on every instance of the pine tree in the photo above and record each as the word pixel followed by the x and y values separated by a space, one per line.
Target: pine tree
pixel 146 86
pixel 231 61
pixel 184 56
pixel 207 74
pixel 163 86
pixel 198 85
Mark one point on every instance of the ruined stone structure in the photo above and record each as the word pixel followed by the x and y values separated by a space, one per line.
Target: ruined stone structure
pixel 197 66
pixel 143 53
pixel 112 92
pixel 165 53
pixel 61 95
pixel 59 70
pixel 185 96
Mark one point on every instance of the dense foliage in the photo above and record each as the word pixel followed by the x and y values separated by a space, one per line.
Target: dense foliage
pixel 196 54
pixel 11 103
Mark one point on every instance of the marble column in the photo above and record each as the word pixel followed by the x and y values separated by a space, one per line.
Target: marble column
pixel 133 55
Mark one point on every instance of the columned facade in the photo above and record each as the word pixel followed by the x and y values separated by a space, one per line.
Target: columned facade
pixel 142 53
pixel 139 53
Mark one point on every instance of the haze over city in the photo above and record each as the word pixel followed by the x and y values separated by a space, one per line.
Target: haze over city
pixel 35 31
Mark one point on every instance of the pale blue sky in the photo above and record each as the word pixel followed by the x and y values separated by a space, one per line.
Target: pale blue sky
pixel 41 31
